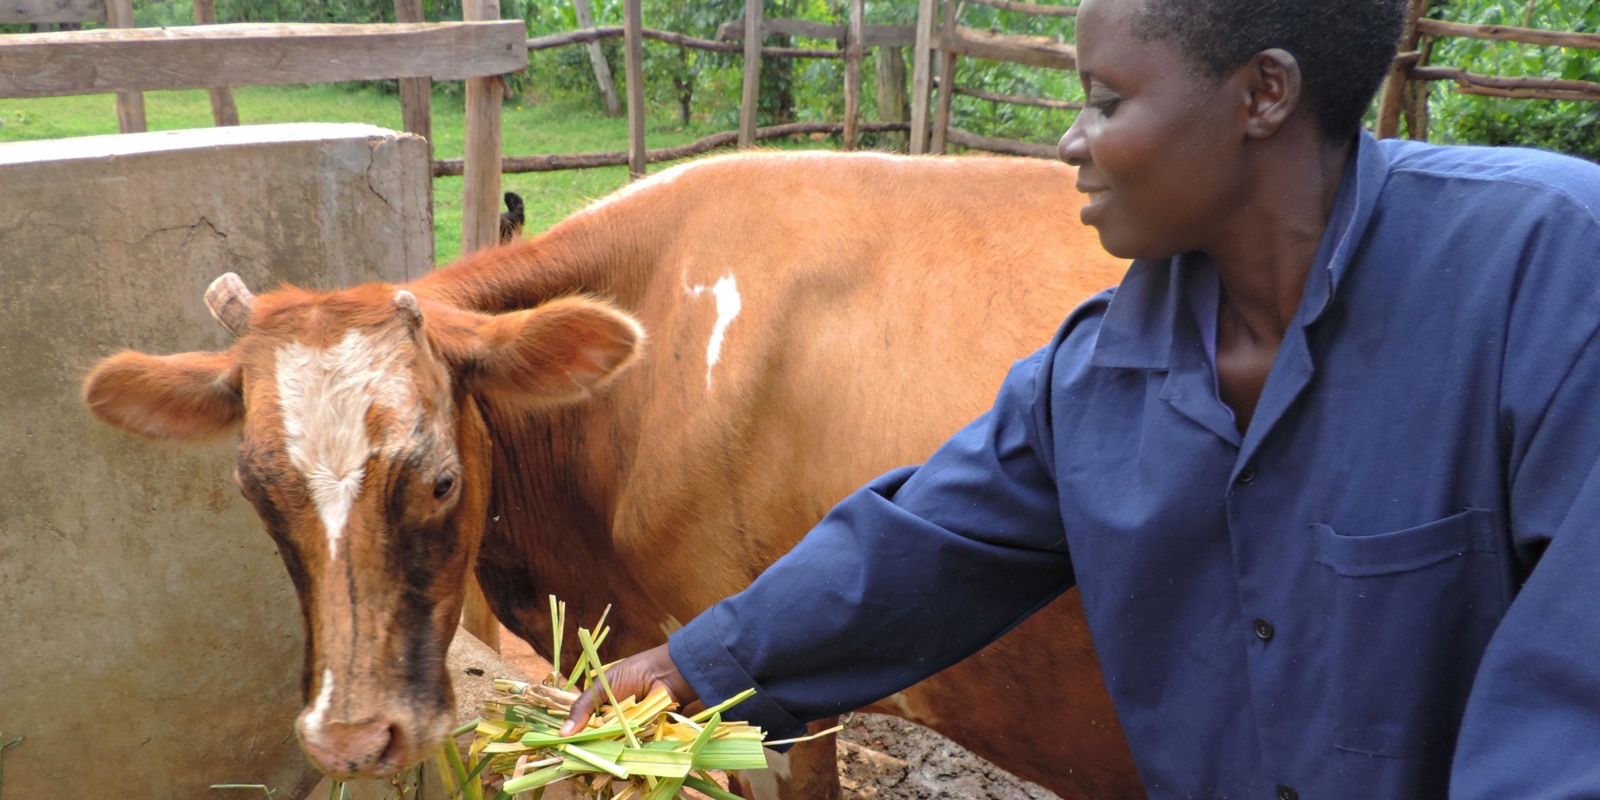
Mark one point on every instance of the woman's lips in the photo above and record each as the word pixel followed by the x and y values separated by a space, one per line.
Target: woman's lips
pixel 1097 200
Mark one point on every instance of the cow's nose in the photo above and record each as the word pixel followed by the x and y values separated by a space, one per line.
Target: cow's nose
pixel 344 750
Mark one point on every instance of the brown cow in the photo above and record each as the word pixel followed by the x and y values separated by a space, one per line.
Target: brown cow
pixel 814 319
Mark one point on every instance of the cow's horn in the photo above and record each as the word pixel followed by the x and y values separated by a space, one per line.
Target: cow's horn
pixel 409 308
pixel 230 302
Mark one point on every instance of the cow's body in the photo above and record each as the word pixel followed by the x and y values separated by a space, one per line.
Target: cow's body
pixel 813 320
pixel 880 302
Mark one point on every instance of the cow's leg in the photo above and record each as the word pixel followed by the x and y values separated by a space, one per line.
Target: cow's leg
pixel 809 770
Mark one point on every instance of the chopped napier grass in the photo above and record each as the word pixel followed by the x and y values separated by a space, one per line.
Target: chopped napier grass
pixel 632 749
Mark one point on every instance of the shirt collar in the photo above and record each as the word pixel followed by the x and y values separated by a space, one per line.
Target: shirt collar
pixel 1139 329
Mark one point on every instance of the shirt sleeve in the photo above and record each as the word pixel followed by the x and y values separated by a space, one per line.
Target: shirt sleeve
pixel 908 575
pixel 1532 723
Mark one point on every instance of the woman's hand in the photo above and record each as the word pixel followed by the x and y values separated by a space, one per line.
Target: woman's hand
pixel 633 676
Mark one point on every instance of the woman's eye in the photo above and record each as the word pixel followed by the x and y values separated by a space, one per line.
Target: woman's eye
pixel 1103 101
pixel 443 487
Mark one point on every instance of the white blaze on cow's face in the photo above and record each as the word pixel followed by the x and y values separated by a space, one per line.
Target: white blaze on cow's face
pixel 324 396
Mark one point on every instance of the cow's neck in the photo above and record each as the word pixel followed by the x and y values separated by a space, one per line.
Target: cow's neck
pixel 554 474
pixel 605 251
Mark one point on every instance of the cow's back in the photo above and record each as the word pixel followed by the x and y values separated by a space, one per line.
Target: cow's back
pixel 816 320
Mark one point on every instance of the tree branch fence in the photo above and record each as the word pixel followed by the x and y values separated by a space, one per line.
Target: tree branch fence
pixel 1404 94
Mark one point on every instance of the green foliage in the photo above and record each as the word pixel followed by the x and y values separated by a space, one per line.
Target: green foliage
pixel 1572 127
pixel 694 89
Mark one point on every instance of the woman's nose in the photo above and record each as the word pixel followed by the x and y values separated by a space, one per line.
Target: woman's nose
pixel 1073 148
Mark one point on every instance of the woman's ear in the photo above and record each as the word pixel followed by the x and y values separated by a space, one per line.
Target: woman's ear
pixel 1274 83
pixel 186 397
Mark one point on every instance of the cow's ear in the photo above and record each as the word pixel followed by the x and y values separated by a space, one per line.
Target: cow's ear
pixel 560 352
pixel 186 397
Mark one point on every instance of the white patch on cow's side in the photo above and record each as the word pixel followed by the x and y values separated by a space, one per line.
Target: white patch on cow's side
pixel 324 396
pixel 671 626
pixel 726 291
pixel 319 709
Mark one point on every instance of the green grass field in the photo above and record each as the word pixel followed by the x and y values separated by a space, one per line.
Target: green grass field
pixel 554 127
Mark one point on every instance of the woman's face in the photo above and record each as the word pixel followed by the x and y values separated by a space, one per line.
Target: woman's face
pixel 1158 143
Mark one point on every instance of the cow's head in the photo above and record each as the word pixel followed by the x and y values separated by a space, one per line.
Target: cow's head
pixel 366 457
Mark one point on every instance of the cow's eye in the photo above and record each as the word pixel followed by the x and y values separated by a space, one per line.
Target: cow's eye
pixel 444 486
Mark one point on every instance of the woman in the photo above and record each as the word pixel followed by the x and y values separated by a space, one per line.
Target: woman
pixel 1320 467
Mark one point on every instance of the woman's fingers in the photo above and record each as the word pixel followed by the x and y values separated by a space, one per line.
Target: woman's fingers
pixel 633 676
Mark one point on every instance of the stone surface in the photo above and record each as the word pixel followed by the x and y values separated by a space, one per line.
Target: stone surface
pixel 150 642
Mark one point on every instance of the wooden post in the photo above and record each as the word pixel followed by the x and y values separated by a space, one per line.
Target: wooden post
pixel 416 94
pixel 751 98
pixel 633 63
pixel 893 104
pixel 941 111
pixel 947 80
pixel 921 76
pixel 1389 102
pixel 597 57
pixel 480 230
pixel 1415 103
pixel 852 74
pixel 223 111
pixel 130 105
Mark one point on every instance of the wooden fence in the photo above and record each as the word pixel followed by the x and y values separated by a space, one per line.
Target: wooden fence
pixel 1405 91
pixel 850 41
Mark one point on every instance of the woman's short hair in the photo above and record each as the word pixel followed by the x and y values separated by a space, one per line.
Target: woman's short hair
pixel 1344 47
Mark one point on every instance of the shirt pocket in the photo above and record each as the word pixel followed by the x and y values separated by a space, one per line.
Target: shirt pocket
pixel 1413 611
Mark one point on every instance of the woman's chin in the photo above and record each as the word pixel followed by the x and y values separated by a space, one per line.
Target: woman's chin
pixel 1120 241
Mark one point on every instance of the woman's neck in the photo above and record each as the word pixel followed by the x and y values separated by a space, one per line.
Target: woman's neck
pixel 1264 250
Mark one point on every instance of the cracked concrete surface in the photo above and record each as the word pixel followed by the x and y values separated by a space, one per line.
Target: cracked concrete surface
pixel 137 590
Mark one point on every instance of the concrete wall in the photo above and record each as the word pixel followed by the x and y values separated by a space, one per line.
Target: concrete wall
pixel 150 641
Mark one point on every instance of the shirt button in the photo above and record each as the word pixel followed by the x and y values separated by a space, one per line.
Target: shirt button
pixel 1287 793
pixel 1247 474
pixel 1264 630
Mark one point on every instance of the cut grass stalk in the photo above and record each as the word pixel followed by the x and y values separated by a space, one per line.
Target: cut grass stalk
pixel 709 789
pixel 724 705
pixel 558 624
pixel 590 649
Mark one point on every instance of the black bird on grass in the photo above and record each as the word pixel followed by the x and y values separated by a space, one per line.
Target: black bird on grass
pixel 511 219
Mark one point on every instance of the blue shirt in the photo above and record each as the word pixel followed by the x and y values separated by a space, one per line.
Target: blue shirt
pixel 1414 509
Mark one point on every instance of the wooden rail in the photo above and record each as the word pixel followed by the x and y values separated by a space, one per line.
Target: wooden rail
pixel 1033 51
pixel 613 32
pixel 1010 147
pixel 1028 8
pixel 1015 99
pixel 205 56
pixel 871 35
pixel 1434 27
pixel 1540 88
pixel 554 163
